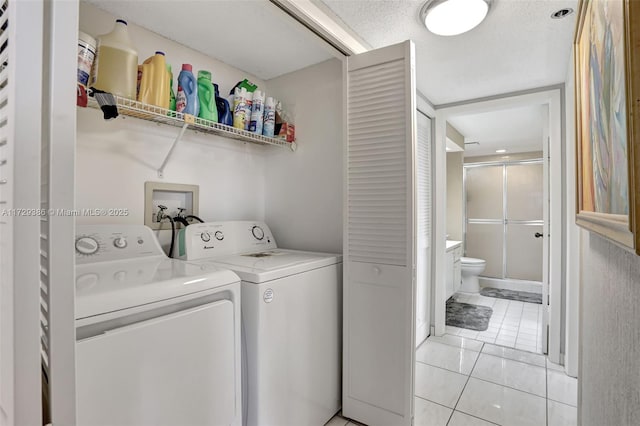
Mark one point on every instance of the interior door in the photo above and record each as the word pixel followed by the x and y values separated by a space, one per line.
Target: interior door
pixel 380 237
pixel 546 197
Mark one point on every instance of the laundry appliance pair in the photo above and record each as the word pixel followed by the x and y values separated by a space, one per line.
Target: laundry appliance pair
pixel 159 340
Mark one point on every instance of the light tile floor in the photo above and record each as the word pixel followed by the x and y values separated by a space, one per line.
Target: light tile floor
pixel 513 324
pixel 465 382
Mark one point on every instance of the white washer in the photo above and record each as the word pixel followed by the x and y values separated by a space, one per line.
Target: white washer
pixel 292 320
pixel 158 340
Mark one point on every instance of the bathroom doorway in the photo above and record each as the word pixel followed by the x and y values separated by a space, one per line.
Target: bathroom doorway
pixel 506 201
pixel 504 225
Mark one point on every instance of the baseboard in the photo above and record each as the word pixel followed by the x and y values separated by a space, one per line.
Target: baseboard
pixel 519 285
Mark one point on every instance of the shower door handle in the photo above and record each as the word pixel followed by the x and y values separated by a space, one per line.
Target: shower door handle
pixel 538 235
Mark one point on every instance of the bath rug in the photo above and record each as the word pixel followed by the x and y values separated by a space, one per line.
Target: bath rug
pixel 520 296
pixel 466 315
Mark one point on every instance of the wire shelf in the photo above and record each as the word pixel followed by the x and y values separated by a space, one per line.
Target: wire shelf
pixel 131 108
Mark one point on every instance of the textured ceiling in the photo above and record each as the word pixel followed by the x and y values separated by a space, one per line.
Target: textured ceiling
pixel 517 47
pixel 252 35
pixel 515 129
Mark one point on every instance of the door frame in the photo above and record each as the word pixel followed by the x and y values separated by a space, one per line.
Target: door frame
pixel 552 97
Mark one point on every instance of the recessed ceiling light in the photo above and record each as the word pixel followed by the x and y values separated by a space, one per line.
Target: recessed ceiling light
pixel 453 17
pixel 562 13
pixel 501 151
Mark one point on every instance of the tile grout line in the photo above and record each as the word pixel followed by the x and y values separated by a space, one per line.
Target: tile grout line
pixel 475 417
pixel 517 360
pixel 508 387
pixel 465 385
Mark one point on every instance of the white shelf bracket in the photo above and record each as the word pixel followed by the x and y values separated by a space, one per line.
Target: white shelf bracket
pixel 175 142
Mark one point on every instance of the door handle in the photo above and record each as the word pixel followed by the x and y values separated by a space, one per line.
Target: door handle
pixel 538 235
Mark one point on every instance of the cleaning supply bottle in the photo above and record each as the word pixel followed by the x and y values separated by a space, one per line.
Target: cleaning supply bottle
pixel 240 116
pixel 247 110
pixel 86 56
pixel 172 95
pixel 269 117
pixel 187 97
pixel 115 68
pixel 224 111
pixel 207 97
pixel 257 112
pixel 154 85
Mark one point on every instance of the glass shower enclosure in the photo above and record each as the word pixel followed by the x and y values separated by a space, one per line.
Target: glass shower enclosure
pixel 504 222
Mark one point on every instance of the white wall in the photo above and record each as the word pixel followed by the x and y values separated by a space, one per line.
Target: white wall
pixel 609 334
pixel 455 196
pixel 116 158
pixel 303 203
pixel 572 234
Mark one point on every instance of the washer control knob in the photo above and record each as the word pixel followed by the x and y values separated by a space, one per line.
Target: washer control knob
pixel 120 242
pixel 257 232
pixel 219 235
pixel 120 276
pixel 87 245
pixel 206 237
pixel 85 281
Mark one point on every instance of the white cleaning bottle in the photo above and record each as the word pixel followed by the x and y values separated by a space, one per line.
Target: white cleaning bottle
pixel 257 112
pixel 269 117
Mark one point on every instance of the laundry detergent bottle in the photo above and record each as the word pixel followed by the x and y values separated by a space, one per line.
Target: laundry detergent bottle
pixel 155 82
pixel 172 95
pixel 224 110
pixel 187 97
pixel 207 97
pixel 115 69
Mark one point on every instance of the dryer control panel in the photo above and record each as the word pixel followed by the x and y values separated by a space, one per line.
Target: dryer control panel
pixel 213 239
pixel 102 243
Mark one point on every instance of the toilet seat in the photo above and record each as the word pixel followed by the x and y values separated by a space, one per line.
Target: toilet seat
pixel 472 261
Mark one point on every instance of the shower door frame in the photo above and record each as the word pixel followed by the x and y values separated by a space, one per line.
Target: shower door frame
pixel 505 222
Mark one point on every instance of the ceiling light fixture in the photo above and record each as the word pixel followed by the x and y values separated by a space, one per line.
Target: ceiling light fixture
pixel 562 13
pixel 453 17
pixel 501 151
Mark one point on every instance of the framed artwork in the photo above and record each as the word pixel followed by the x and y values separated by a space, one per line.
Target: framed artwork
pixel 607 79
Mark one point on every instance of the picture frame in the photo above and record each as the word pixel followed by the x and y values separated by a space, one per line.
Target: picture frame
pixel 607 109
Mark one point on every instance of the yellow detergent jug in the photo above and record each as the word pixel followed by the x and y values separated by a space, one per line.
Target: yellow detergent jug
pixel 115 69
pixel 155 82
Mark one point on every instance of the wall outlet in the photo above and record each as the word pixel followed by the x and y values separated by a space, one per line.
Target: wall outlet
pixel 173 196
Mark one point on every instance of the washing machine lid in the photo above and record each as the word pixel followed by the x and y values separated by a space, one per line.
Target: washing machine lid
pixel 259 267
pixel 106 287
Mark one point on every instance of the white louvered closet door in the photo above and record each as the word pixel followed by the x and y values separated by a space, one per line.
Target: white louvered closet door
pixel 21 59
pixel 423 211
pixel 379 237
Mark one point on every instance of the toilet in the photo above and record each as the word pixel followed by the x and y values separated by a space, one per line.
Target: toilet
pixel 471 268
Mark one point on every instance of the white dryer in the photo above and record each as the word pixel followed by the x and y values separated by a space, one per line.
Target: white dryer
pixel 158 340
pixel 292 320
